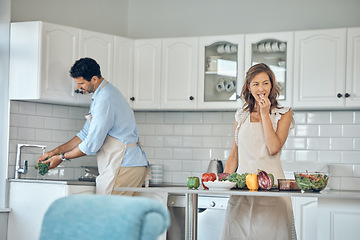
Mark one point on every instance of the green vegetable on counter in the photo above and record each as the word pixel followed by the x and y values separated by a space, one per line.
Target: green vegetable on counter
pixel 193 182
pixel 240 179
pixel 42 168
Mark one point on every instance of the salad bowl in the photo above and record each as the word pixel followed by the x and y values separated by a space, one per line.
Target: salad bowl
pixel 311 181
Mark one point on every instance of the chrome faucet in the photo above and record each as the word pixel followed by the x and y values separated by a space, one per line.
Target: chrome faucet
pixel 18 169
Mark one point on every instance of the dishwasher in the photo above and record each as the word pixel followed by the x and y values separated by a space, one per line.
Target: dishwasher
pixel 211 216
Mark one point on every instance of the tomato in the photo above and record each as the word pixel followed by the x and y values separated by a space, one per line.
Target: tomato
pixel 207 177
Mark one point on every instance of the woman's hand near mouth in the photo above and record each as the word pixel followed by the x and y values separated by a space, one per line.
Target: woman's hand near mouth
pixel 264 105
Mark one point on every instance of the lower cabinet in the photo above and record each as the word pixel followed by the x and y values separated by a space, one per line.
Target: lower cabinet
pixel 338 219
pixel 29 202
pixel 305 214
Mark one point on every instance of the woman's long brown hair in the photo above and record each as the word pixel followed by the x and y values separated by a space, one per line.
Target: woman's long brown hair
pixel 249 100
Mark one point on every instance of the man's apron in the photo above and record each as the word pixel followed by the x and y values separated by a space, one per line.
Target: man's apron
pixel 109 159
pixel 253 218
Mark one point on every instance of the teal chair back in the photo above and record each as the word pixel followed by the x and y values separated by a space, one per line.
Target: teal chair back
pixel 105 217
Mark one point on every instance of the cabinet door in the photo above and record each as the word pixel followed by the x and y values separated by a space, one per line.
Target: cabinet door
pixel 221 64
pixel 275 50
pixel 60 49
pixel 123 67
pixel 319 68
pixel 179 73
pixel 353 68
pixel 147 61
pixel 305 214
pixel 100 47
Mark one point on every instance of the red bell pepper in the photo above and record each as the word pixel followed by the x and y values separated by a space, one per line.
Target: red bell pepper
pixel 207 177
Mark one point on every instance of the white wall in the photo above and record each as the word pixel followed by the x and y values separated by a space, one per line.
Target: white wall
pixel 108 16
pixel 169 18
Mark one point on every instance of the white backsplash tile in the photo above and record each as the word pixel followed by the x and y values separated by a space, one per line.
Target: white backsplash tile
pixel 212 117
pixel 351 131
pixel 163 153
pixel 212 142
pixel 182 130
pixel 356 170
pixel 300 118
pixel 341 117
pixel 356 144
pixel 341 144
pixel 43 135
pixel 185 142
pixel 350 183
pixel 140 117
pixel 18 120
pixel 307 130
pixel 329 156
pixel 202 130
pixel 61 111
pixel 174 117
pixel 27 108
pixel 341 170
pixel 192 142
pixel 318 117
pixel 35 122
pixel 228 117
pixel 306 156
pixel 182 153
pixel 52 123
pixel 154 117
pixel 330 130
pixel 43 109
pixel 350 157
pixel 193 117
pixel 172 141
pixel 27 134
pixel 190 165
pixel 318 143
pixel 223 130
pixel 164 129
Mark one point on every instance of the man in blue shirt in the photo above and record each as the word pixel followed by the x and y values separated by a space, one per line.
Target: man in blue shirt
pixel 110 132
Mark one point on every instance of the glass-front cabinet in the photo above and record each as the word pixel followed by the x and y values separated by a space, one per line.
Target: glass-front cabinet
pixel 275 50
pixel 221 72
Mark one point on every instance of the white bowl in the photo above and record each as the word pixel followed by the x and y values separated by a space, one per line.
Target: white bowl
pixel 222 185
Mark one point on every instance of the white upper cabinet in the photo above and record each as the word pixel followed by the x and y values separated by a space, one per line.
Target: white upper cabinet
pixel 41 55
pixel 147 63
pixel 221 71
pixel 352 93
pixel 319 69
pixel 179 73
pixel 275 50
pixel 100 47
pixel 124 67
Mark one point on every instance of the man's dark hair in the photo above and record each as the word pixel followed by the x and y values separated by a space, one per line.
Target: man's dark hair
pixel 86 68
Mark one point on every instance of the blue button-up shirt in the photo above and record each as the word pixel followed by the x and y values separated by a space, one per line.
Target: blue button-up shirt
pixel 111 115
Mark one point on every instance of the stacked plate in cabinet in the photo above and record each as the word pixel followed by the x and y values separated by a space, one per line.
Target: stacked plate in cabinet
pixel 157 174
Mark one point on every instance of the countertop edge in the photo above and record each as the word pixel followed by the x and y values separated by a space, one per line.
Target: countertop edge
pixel 183 190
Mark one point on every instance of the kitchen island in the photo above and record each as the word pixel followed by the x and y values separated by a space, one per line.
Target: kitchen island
pixel 338 211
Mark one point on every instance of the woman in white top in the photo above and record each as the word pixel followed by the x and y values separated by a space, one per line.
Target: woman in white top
pixel 261 129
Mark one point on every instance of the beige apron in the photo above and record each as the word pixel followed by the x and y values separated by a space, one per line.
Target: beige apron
pixel 258 217
pixel 109 159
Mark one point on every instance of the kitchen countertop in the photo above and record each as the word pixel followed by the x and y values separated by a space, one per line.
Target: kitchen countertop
pixel 50 181
pixel 273 193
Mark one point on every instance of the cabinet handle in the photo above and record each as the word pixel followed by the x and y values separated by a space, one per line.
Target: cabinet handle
pixel 339 95
pixel 191 98
pixel 347 95
pixel 132 99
